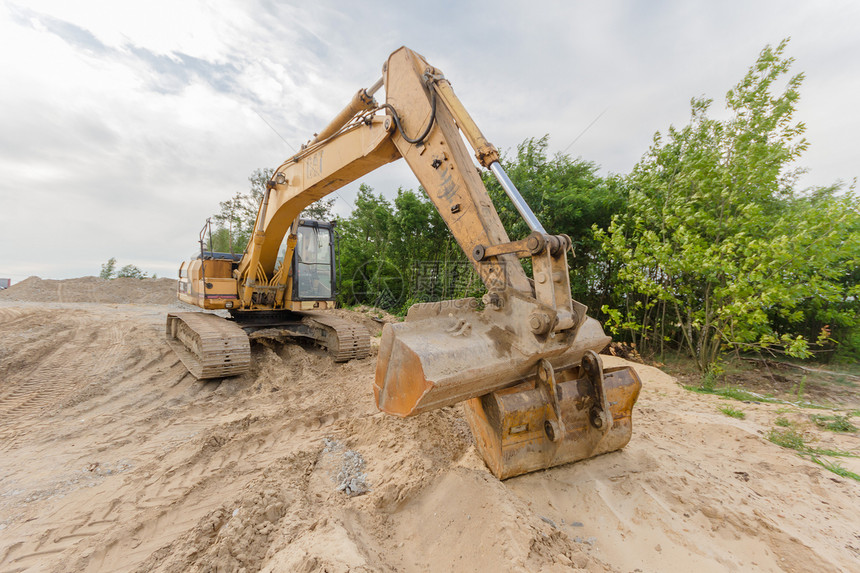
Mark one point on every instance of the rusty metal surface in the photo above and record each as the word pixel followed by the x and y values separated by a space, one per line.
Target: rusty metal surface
pixel 510 425
pixel 456 353
pixel 534 401
pixel 208 345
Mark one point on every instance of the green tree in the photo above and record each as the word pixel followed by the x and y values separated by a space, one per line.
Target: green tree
pixel 824 271
pixel 424 249
pixel 321 210
pixel 366 272
pixel 234 223
pixel 131 271
pixel 108 269
pixel 715 242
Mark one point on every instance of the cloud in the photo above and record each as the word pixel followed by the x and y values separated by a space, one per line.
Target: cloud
pixel 125 123
pixel 74 35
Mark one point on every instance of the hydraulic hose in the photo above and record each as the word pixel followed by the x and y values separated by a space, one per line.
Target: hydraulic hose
pixel 396 117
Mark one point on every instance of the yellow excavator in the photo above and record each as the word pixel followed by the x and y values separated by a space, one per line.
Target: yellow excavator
pixel 287 305
pixel 524 358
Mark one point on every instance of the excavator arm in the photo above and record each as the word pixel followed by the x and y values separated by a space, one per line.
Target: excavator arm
pixel 527 363
pixel 359 140
pixel 311 174
pixel 421 102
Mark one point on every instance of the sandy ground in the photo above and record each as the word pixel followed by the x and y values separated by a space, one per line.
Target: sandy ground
pixel 113 458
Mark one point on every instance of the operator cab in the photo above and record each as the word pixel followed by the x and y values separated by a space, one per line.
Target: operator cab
pixel 313 266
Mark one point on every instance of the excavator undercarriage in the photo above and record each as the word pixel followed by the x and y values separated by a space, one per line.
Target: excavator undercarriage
pixel 214 347
pixel 343 339
pixel 208 345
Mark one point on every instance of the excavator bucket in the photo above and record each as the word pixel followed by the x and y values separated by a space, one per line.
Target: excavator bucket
pixel 524 428
pixel 530 406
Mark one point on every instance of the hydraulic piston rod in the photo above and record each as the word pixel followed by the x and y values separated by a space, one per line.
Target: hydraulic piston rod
pixel 522 207
pixel 361 101
pixel 374 88
pixel 485 151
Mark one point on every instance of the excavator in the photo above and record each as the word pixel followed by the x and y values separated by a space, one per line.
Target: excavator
pixel 287 305
pixel 523 359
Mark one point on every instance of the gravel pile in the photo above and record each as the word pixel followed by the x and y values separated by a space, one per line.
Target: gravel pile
pixel 349 475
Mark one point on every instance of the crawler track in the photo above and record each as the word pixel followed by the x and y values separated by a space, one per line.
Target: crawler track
pixel 346 340
pixel 208 345
pixel 213 347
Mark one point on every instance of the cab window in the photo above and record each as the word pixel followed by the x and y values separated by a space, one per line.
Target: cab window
pixel 313 263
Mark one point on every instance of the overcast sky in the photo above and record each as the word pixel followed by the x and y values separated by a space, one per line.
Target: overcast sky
pixel 123 124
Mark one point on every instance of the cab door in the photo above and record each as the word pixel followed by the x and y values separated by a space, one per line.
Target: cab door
pixel 313 262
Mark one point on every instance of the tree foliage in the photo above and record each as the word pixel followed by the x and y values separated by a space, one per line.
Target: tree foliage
pixel 321 210
pixel 132 272
pixel 234 223
pixel 716 247
pixel 397 253
pixel 128 271
pixel 108 269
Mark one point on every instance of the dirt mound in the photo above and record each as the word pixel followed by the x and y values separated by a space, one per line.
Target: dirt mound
pixel 372 318
pixel 623 350
pixel 115 459
pixel 93 289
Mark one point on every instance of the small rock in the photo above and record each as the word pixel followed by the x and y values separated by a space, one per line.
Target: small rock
pixel 548 520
